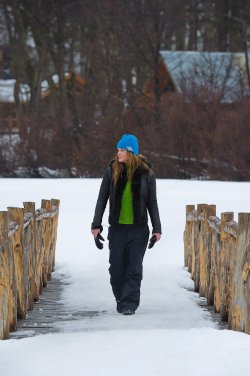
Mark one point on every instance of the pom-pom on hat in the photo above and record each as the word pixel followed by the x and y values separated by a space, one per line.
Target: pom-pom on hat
pixel 129 142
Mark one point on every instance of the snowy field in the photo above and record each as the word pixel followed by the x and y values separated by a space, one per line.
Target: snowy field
pixel 169 334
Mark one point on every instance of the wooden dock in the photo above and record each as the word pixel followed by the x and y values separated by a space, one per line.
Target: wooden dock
pixel 48 311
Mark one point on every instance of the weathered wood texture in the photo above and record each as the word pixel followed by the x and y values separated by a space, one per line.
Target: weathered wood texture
pixel 239 317
pixel 29 234
pixel 205 239
pixel 218 251
pixel 27 258
pixel 5 279
pixel 224 270
pixel 187 234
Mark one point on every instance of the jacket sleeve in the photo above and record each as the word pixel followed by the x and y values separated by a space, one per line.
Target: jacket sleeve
pixel 153 206
pixel 101 201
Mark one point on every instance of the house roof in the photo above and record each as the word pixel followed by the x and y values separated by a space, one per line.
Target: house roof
pixel 220 73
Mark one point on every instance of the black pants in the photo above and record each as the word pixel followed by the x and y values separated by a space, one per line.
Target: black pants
pixel 127 244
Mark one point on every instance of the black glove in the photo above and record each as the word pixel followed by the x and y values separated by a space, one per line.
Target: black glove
pixel 98 242
pixel 152 241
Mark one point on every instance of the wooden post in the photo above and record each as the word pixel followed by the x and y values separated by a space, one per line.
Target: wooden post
pixel 46 204
pixel 197 247
pixel 210 211
pixel 16 243
pixel 202 251
pixel 4 276
pixel 246 277
pixel 225 266
pixel 193 240
pixel 215 268
pixel 187 238
pixel 10 274
pixel 39 259
pixel 54 203
pixel 240 299
pixel 30 254
pixel 233 257
pixel 205 250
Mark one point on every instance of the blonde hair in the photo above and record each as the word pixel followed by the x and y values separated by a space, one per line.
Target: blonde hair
pixel 133 163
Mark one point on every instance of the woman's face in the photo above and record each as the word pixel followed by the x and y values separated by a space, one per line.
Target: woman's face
pixel 122 155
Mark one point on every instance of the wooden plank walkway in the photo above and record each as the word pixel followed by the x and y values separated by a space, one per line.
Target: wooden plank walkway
pixel 48 311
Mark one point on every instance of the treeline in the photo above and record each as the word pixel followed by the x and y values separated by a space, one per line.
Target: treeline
pixel 115 45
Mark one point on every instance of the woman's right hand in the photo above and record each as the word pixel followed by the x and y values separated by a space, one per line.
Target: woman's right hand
pixel 95 232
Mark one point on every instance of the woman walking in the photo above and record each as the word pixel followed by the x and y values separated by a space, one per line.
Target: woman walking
pixel 129 185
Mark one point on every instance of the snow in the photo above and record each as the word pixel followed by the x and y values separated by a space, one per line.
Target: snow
pixel 169 334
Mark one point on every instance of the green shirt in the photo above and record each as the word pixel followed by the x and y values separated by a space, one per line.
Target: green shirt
pixel 126 213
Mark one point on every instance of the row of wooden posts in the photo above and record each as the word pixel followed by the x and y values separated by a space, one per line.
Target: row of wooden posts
pixel 27 258
pixel 217 254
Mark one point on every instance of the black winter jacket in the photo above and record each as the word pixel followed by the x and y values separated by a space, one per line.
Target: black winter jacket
pixel 143 187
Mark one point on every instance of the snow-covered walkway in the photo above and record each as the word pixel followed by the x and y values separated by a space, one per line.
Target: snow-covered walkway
pixel 169 335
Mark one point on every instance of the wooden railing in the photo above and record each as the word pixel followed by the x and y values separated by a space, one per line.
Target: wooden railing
pixel 217 254
pixel 27 258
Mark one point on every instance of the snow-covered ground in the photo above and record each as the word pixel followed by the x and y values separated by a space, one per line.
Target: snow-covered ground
pixel 169 334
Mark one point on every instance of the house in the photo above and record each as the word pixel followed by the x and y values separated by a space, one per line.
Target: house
pixel 8 115
pixel 202 75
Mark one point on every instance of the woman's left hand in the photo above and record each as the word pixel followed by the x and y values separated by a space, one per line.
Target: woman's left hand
pixel 158 236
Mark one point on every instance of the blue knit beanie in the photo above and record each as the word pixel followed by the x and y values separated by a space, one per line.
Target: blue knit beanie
pixel 129 142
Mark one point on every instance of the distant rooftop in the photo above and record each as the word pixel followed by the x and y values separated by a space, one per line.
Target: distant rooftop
pixel 223 73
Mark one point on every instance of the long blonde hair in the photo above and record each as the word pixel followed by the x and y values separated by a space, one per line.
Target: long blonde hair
pixel 133 163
